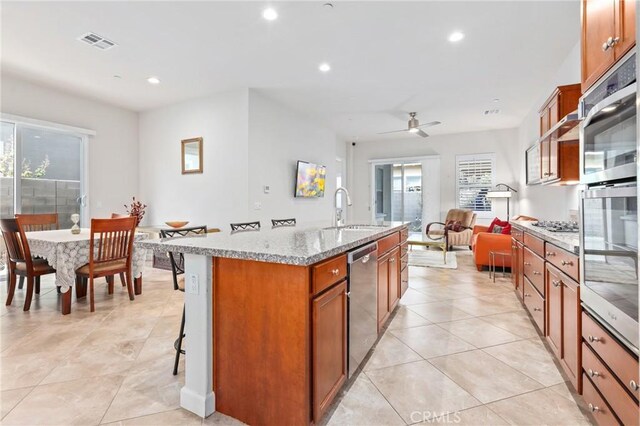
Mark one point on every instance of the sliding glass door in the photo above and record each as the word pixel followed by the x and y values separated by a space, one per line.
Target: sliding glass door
pixel 41 171
pixel 398 193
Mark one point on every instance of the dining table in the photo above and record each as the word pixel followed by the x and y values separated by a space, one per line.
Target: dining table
pixel 66 252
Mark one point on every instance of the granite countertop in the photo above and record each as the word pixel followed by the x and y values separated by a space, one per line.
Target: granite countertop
pixel 300 245
pixel 567 240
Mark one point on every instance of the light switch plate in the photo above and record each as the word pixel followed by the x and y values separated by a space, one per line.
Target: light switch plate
pixel 193 287
pixel 267 189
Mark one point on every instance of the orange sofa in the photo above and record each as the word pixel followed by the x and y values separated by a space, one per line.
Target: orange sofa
pixel 484 242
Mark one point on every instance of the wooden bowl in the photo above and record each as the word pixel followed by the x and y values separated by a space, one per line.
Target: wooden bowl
pixel 177 223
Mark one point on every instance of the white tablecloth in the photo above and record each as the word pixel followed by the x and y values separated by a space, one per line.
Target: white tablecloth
pixel 66 252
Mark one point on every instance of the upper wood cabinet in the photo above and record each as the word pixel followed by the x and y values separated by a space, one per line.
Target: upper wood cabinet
pixel 563 101
pixel 559 162
pixel 608 32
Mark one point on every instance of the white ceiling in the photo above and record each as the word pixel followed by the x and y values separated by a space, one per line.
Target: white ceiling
pixel 387 58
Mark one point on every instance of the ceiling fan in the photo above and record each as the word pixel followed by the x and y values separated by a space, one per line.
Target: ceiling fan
pixel 414 126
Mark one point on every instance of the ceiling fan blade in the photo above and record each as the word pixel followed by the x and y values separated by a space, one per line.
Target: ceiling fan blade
pixel 393 131
pixel 421 133
pixel 433 123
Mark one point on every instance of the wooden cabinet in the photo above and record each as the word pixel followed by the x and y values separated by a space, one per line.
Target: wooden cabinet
pixel 559 161
pixel 554 311
pixel 563 322
pixel 394 279
pixel 383 290
pixel 563 101
pixel 389 285
pixel 329 325
pixel 517 272
pixel 608 32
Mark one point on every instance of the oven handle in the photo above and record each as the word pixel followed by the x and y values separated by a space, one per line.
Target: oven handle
pixel 612 99
pixel 611 192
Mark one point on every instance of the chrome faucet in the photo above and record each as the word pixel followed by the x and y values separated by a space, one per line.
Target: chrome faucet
pixel 337 217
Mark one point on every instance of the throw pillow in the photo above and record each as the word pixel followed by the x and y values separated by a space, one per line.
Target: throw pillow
pixel 497 229
pixel 500 223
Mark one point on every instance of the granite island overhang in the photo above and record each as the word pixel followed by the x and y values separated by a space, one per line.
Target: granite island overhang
pixel 256 303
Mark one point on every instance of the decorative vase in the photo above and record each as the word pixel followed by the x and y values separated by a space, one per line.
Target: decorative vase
pixel 75 218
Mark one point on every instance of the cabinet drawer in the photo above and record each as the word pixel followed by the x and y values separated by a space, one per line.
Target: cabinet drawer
pixel 517 234
pixel 596 405
pixel 387 243
pixel 404 281
pixel 625 407
pixel 614 355
pixel 534 244
pixel 534 303
pixel 404 261
pixel 328 273
pixel 404 234
pixel 404 249
pixel 534 269
pixel 563 260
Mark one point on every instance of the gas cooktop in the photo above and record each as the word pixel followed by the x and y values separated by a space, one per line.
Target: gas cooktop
pixel 557 226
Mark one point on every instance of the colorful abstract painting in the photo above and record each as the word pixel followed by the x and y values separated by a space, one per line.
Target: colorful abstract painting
pixel 310 180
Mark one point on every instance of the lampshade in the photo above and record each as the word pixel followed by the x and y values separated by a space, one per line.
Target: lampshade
pixel 499 194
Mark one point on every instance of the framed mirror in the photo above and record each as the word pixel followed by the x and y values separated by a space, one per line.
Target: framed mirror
pixel 192 156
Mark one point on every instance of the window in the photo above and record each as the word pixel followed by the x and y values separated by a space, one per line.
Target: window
pixel 474 174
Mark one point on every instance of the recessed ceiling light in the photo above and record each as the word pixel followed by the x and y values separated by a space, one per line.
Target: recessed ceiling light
pixel 324 67
pixel 456 36
pixel 496 100
pixel 328 5
pixel 270 14
pixel 117 76
pixel 153 80
pixel 37 136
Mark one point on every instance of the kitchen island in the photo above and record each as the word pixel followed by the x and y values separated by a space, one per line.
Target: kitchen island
pixel 267 316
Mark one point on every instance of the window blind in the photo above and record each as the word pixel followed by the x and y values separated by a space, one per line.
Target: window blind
pixel 475 179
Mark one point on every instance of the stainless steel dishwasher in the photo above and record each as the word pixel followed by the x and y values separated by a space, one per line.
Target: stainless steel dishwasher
pixel 363 303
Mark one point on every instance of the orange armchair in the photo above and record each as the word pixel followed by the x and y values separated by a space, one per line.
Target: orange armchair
pixel 484 242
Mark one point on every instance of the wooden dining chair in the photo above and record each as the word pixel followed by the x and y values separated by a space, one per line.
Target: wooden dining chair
pixel 111 255
pixel 20 261
pixel 177 268
pixel 245 226
pixel 38 222
pixel 276 223
pixel 110 278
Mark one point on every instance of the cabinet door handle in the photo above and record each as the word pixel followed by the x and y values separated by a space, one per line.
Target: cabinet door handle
pixel 605 46
pixel 593 339
pixel 593 373
pixel 634 386
pixel 392 260
pixel 527 295
pixel 335 271
pixel 593 408
pixel 555 283
pixel 550 253
pixel 537 309
pixel 527 264
pixel 567 262
pixel 536 273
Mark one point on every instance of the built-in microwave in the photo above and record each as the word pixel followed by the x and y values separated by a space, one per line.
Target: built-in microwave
pixel 609 258
pixel 608 148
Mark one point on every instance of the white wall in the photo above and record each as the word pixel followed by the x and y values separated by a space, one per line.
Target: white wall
pixel 501 142
pixel 249 141
pixel 113 151
pixel 546 202
pixel 278 138
pixel 216 197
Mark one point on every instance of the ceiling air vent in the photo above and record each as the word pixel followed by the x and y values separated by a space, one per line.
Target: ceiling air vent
pixel 97 41
pixel 491 112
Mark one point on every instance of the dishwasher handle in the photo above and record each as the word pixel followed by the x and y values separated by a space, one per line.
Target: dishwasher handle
pixel 362 253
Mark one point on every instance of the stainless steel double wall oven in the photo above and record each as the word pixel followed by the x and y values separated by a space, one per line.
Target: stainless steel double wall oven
pixel 609 203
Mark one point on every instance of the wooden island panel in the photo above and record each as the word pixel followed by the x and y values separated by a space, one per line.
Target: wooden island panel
pixel 262 341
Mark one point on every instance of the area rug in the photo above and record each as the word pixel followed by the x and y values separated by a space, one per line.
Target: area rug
pixel 432 259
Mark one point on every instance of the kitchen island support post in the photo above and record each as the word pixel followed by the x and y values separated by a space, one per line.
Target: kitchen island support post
pixel 197 393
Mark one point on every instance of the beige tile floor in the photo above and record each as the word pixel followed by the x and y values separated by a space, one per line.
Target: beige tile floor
pixel 460 349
